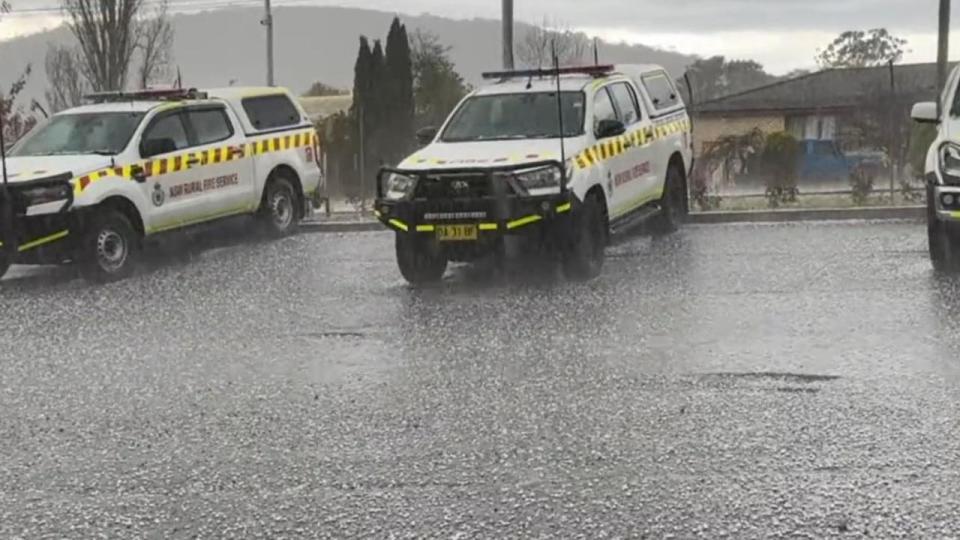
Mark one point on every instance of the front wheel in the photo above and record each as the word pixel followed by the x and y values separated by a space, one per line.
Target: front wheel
pixel 278 212
pixel 585 253
pixel 420 260
pixel 671 203
pixel 109 248
pixel 943 240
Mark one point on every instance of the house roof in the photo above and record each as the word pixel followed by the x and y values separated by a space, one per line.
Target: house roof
pixel 319 108
pixel 830 89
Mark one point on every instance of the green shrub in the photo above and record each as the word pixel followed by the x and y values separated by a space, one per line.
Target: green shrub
pixel 861 184
pixel 779 161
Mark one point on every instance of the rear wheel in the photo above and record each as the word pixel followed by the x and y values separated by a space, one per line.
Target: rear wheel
pixel 671 203
pixel 420 260
pixel 109 248
pixel 585 254
pixel 278 211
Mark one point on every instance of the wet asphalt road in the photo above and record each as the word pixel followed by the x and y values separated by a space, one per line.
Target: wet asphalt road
pixel 796 380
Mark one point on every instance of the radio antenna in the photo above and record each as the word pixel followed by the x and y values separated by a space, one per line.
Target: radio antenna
pixel 563 151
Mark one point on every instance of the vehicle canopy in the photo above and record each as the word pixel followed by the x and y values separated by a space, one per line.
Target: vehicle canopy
pixel 263 110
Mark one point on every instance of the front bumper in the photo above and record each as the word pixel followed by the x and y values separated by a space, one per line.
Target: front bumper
pixel 36 239
pixel 497 213
pixel 946 201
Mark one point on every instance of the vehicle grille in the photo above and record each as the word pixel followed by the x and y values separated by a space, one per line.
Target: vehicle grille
pixel 461 186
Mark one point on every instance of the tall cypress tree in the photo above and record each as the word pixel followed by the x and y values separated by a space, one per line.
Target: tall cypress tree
pixel 377 107
pixel 359 111
pixel 399 91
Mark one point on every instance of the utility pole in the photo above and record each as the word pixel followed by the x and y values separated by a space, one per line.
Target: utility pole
pixel 363 162
pixel 943 51
pixel 507 34
pixel 894 142
pixel 268 22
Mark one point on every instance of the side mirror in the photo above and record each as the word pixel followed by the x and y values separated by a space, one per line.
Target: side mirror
pixel 610 128
pixel 925 113
pixel 426 135
pixel 155 147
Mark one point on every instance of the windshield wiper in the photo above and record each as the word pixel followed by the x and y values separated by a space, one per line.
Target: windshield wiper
pixel 103 152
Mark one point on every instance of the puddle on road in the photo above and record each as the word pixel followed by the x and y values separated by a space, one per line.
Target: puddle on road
pixel 787 383
pixel 336 356
pixel 802 378
pixel 332 335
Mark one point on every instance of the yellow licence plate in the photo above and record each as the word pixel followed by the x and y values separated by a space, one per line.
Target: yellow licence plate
pixel 456 233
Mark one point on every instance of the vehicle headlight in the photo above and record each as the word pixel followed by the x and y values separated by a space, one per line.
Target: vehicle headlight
pixel 537 179
pixel 45 194
pixel 950 163
pixel 399 186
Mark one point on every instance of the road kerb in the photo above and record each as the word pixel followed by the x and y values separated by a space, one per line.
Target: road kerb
pixel 810 214
pixel 748 216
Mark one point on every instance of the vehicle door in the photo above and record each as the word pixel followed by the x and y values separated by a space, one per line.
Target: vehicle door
pixel 605 153
pixel 634 178
pixel 225 172
pixel 163 146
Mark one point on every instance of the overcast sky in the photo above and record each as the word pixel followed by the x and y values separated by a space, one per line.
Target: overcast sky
pixel 781 34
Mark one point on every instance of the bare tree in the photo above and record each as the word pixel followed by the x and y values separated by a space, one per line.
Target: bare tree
pixel 15 120
pixel 537 45
pixel 107 32
pixel 155 43
pixel 67 85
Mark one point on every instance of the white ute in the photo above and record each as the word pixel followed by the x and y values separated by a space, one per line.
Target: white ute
pixel 90 183
pixel 942 173
pixel 502 170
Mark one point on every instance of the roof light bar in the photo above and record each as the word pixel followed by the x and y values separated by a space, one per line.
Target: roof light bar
pixel 595 71
pixel 147 95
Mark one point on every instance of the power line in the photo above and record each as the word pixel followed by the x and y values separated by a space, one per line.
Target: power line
pixel 178 5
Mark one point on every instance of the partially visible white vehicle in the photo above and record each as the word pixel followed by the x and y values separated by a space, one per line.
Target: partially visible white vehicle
pixel 942 174
pixel 92 182
pixel 562 157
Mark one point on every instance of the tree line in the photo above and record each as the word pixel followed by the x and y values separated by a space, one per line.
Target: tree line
pixel 409 84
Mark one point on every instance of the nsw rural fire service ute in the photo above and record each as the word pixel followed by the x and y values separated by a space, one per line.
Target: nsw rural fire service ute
pixel 92 182
pixel 558 157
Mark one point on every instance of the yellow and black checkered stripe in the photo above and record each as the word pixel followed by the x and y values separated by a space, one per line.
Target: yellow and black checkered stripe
pixel 639 138
pixel 199 159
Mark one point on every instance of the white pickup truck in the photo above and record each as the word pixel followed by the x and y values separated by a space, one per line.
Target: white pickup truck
pixel 90 183
pixel 942 174
pixel 554 160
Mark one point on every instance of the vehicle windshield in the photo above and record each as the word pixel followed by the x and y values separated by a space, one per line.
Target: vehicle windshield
pixel 106 133
pixel 516 116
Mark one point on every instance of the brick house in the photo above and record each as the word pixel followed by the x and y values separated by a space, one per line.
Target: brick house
pixel 828 105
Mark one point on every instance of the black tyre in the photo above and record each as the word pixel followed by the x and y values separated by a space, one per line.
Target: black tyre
pixel 671 203
pixel 584 256
pixel 110 248
pixel 420 260
pixel 943 240
pixel 279 214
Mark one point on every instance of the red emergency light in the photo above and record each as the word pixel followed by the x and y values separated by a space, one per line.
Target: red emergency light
pixel 593 71
pixel 147 95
